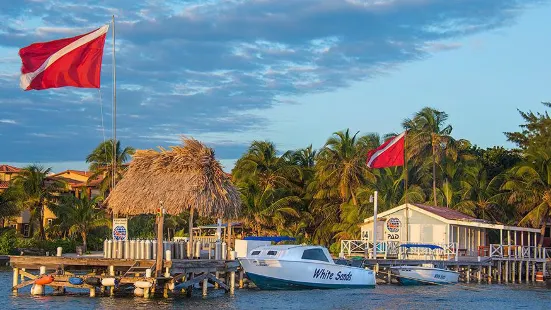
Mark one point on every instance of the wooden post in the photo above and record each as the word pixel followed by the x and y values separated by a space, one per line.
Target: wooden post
pixel 232 273
pixel 527 270
pixel 205 287
pixel 520 272
pixel 217 275
pixel 112 273
pixel 93 292
pixel 241 275
pixel 229 233
pixel 490 275
pixel 479 274
pixel 499 271
pixel 468 274
pixel 506 277
pixel 22 276
pixel 160 222
pixel 232 283
pixel 146 290
pixel 15 279
pixel 513 269
pixel 533 271
pixel 190 242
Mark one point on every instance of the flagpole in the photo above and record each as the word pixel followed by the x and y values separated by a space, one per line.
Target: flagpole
pixel 114 110
pixel 406 184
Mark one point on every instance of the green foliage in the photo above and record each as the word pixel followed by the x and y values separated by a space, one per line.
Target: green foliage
pixel 319 196
pixel 8 241
pixel 101 163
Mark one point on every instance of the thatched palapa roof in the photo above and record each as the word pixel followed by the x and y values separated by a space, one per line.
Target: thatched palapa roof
pixel 183 177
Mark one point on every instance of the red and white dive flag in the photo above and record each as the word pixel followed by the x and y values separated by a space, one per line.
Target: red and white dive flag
pixel 72 61
pixel 389 154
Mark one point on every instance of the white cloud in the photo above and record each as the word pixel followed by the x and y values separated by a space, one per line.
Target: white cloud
pixel 8 121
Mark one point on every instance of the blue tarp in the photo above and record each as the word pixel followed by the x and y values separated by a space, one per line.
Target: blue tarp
pixel 270 238
pixel 430 246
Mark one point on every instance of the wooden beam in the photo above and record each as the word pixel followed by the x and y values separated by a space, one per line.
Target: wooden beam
pixel 191 282
pixel 218 281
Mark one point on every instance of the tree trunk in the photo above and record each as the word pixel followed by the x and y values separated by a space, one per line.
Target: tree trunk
pixel 434 171
pixel 85 247
pixel 190 254
pixel 41 222
pixel 543 227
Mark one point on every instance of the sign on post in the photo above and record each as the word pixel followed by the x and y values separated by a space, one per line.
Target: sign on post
pixel 393 232
pixel 120 229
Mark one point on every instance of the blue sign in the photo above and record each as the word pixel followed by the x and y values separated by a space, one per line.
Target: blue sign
pixel 119 233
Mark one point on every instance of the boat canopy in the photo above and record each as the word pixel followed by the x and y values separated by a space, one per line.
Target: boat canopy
pixel 270 238
pixel 429 246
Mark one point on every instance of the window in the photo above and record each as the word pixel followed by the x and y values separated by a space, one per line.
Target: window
pixel 26 230
pixel 255 252
pixel 273 253
pixel 14 226
pixel 547 232
pixel 315 254
pixel 50 221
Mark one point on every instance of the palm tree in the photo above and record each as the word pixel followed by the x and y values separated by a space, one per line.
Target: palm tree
pixel 36 190
pixel 262 164
pixel 8 204
pixel 265 208
pixel 341 165
pixel 529 187
pixel 480 195
pixel 101 163
pixel 80 215
pixel 429 134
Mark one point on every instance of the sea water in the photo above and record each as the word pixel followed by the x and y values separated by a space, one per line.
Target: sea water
pixel 473 296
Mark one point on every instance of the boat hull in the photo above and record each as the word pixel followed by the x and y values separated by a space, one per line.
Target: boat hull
pixel 295 275
pixel 416 275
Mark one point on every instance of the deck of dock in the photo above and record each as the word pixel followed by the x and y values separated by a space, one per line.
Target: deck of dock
pixel 176 277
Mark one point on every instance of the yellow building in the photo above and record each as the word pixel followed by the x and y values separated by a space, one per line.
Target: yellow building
pixel 76 181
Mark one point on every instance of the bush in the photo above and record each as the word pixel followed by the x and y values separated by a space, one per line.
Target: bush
pixel 8 241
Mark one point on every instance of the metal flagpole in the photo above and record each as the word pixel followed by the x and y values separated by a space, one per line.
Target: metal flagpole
pixel 114 168
pixel 406 184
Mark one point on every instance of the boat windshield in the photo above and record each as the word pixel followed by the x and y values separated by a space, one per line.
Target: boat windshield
pixel 315 254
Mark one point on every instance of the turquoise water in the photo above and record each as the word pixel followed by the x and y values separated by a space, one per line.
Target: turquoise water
pixel 474 296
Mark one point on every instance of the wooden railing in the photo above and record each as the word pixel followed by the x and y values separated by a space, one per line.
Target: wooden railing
pixel 519 252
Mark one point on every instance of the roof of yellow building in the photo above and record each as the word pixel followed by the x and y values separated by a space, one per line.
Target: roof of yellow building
pixel 4 184
pixel 79 172
pixel 9 169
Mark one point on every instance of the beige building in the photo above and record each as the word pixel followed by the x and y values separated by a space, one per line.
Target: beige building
pixel 456 233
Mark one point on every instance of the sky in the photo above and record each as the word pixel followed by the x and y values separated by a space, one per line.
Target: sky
pixel 228 72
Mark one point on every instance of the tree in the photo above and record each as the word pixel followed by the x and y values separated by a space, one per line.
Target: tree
pixel 8 204
pixel 429 135
pixel 80 215
pixel 101 163
pixel 36 190
pixel 536 131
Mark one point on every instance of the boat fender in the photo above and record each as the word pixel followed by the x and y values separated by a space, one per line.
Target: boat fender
pixel 37 289
pixel 143 284
pixel 109 282
pixel 43 280
pixel 76 281
pixel 93 281
pixel 139 292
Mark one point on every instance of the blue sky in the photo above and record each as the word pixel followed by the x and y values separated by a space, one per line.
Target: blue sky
pixel 231 71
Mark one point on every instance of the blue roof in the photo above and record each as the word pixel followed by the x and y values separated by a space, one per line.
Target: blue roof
pixel 270 238
pixel 429 246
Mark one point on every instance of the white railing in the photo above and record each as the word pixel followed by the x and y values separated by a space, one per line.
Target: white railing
pixel 447 250
pixel 393 249
pixel 361 247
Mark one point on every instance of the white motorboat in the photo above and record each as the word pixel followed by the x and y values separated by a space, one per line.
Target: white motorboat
pixel 424 274
pixel 427 273
pixel 301 267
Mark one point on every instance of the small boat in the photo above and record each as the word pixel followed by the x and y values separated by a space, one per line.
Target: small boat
pixel 45 279
pixel 424 274
pixel 277 267
pixel 427 273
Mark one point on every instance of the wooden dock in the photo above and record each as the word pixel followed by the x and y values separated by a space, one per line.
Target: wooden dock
pixel 118 276
pixel 483 270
